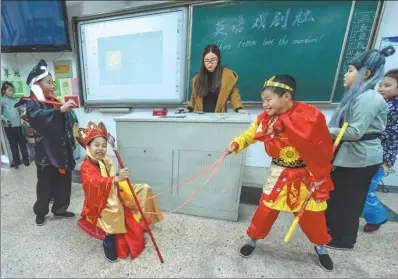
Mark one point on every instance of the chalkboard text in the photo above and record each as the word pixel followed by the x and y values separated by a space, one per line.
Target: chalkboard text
pixel 267 42
pixel 264 20
pixel 244 43
pixel 308 40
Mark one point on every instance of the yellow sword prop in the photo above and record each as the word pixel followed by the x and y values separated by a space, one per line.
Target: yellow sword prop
pixel 312 190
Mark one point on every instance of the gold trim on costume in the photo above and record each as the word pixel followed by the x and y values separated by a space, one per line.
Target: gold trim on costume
pixel 271 82
pixel 295 164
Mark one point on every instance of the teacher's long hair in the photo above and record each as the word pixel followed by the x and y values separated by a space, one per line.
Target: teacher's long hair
pixel 202 84
pixel 373 61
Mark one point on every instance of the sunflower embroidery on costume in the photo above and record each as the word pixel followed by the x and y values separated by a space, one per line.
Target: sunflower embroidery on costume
pixel 289 155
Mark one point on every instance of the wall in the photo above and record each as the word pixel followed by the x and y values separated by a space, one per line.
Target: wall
pixel 256 159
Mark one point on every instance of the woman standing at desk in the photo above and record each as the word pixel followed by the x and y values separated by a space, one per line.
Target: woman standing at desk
pixel 213 85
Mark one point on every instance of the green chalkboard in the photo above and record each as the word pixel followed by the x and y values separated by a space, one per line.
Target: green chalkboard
pixel 259 39
pixel 358 39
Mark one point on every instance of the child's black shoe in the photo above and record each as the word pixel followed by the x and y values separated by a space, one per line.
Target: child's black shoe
pixel 40 220
pixel 246 250
pixel 109 245
pixel 66 214
pixel 325 261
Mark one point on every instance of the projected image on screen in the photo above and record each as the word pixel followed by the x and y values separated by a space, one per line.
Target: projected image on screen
pixel 131 59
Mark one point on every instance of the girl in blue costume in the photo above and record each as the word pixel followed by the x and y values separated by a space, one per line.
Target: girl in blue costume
pixel 374 212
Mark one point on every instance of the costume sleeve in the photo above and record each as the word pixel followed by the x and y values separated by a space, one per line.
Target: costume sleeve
pixel 246 138
pixel 44 121
pixel 235 99
pixel 363 115
pixel 96 187
pixel 308 132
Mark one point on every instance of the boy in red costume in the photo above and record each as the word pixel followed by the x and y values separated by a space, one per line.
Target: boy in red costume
pixel 297 138
pixel 107 214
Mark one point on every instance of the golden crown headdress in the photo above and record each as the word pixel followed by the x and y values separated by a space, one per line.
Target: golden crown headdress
pixel 92 131
pixel 271 82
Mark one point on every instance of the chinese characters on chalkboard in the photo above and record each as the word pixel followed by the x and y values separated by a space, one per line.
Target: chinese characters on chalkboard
pixel 264 19
pixel 358 40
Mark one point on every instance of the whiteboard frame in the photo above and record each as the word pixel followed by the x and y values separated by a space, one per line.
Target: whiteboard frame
pixel 131 101
pixel 128 11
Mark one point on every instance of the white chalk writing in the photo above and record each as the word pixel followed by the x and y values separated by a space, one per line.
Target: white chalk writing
pixel 261 21
pixel 220 29
pixel 246 43
pixel 222 46
pixel 238 25
pixel 308 40
pixel 358 40
pixel 265 19
pixel 280 19
pixel 267 42
pixel 303 16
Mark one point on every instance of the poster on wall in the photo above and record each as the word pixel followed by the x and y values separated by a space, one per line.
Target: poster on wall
pixel 391 61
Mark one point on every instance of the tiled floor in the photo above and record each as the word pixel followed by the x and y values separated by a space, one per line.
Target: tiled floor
pixel 191 246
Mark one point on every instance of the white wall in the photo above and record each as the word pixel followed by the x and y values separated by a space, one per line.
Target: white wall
pixel 389 28
pixel 256 155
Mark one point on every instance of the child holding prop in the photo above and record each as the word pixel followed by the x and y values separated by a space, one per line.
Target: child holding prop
pixel 109 211
pixel 361 153
pixel 296 136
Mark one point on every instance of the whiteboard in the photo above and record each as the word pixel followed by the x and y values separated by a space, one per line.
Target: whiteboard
pixel 134 59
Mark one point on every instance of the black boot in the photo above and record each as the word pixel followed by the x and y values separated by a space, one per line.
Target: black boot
pixel 109 245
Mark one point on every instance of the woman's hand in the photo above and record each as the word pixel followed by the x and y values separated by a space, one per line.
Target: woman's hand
pixel 182 110
pixel 123 175
pixel 243 111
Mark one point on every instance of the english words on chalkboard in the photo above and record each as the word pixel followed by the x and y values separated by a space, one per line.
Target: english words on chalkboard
pixel 266 42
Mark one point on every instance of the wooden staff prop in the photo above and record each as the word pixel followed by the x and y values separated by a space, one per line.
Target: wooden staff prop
pixel 312 189
pixel 111 141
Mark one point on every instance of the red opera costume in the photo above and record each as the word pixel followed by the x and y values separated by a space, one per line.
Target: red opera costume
pixel 301 149
pixel 98 191
pixel 108 211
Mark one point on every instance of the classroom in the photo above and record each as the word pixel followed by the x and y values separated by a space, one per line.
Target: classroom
pixel 134 69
